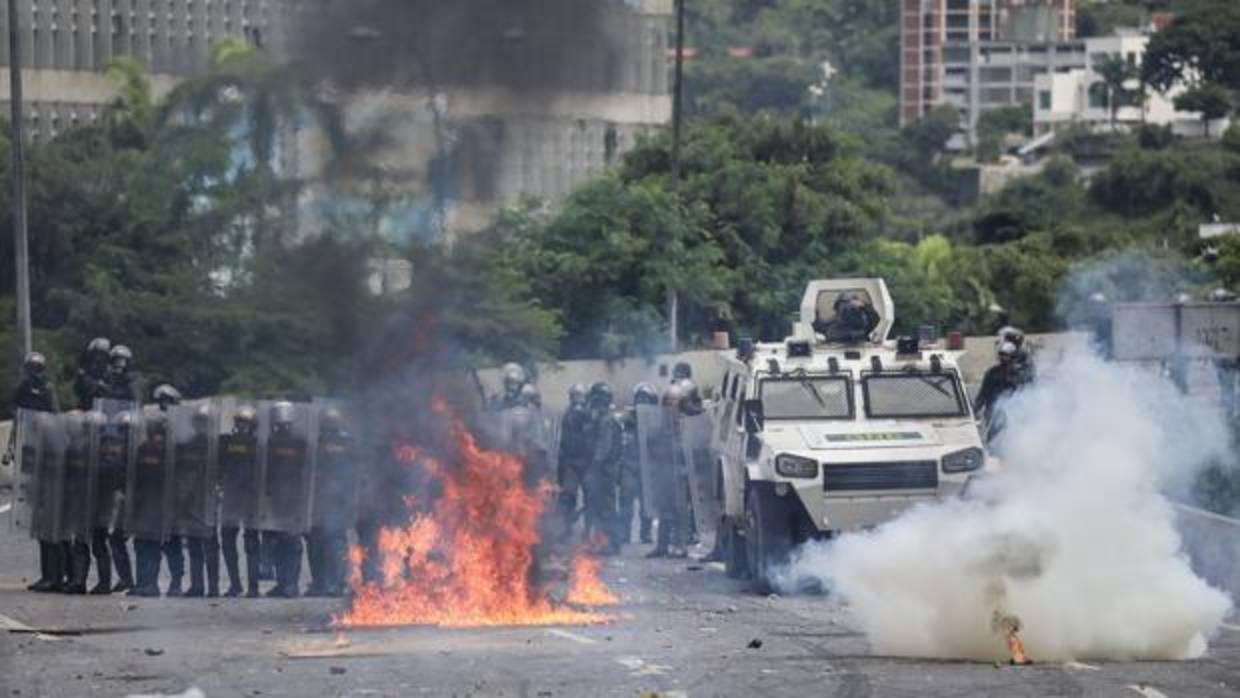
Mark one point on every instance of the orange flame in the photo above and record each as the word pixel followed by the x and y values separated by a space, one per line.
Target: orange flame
pixel 468 561
pixel 587 589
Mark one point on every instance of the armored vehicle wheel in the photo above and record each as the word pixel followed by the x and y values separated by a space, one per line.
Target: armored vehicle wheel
pixel 768 536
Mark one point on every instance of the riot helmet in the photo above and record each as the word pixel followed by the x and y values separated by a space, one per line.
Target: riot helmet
pixel 530 396
pixel 282 416
pixel 1007 352
pixel 1183 298
pixel 201 420
pixel 1014 335
pixel 166 396
pixel 99 346
pixel 246 420
pixel 123 420
pixel 514 377
pixel 1222 295
pixel 577 395
pixel 645 394
pixel 34 365
pixel 600 396
pixel 119 358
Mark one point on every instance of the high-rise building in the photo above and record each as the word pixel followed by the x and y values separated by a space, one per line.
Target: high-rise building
pixel 981 54
pixel 67 45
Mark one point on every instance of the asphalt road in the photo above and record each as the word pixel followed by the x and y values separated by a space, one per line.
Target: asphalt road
pixel 682 629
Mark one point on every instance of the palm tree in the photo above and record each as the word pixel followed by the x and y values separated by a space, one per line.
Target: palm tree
pixel 1116 74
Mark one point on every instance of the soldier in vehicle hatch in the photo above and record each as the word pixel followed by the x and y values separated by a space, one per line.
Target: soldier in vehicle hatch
pixel 855 319
pixel 238 505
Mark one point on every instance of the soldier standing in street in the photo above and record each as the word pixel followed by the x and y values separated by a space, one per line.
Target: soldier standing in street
pixel 166 397
pixel 574 453
pixel 111 549
pixel 195 490
pixel 35 393
pixel 673 499
pixel 335 506
pixel 287 466
pixel 602 477
pixel 631 468
pixel 238 483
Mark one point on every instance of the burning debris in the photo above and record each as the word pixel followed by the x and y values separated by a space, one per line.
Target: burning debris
pixel 470 556
pixel 1008 626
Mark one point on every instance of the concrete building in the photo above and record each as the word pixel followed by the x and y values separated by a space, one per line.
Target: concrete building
pixel 1080 96
pixel 67 45
pixel 463 152
pixel 981 54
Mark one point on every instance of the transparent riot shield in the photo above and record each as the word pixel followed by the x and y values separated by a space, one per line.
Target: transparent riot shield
pixel 82 431
pixel 693 435
pixel 522 434
pixel 27 452
pixel 286 460
pixel 47 522
pixel 655 448
pixel 337 476
pixel 148 494
pixel 551 432
pixel 239 475
pixel 194 428
pixel 113 420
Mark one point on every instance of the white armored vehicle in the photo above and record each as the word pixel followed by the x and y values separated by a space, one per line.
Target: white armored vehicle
pixel 835 429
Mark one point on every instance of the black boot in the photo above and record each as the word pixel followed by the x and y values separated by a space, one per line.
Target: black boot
pixel 253 553
pixel 118 544
pixel 78 568
pixel 645 532
pixel 58 566
pixel 196 563
pixel 228 546
pixel 103 562
pixel 44 582
pixel 211 550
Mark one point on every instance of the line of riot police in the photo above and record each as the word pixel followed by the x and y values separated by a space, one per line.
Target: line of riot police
pixel 649 460
pixel 175 476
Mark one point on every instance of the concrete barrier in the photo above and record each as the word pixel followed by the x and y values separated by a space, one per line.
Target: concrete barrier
pixel 1212 543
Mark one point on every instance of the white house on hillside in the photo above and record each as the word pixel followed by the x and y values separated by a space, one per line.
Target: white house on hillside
pixel 1079 96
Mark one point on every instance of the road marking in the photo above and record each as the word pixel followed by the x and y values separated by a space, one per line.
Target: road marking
pixel 1080 665
pixel 1147 691
pixel 13 625
pixel 639 667
pixel 572 636
pixel 4 508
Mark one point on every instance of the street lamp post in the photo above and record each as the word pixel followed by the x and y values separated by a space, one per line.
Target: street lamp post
pixel 21 250
pixel 678 96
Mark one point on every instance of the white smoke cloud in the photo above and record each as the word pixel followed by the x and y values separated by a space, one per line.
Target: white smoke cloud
pixel 1074 537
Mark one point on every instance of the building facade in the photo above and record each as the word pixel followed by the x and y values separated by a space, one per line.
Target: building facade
pixel 1081 97
pixel 980 54
pixel 68 44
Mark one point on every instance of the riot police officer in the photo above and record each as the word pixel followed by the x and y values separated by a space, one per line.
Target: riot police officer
pixel 335 506
pixel 287 463
pixel 76 519
pixel 145 504
pixel 193 490
pixel 166 397
pixel 121 383
pixel 238 506
pixel 36 393
pixel 530 397
pixel 602 476
pixel 515 378
pixel 111 548
pixel 1000 381
pixel 1024 358
pixel 631 468
pixel 574 452
pixel 673 503
pixel 91 381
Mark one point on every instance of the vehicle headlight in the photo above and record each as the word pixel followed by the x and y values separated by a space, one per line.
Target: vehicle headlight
pixel 965 461
pixel 796 466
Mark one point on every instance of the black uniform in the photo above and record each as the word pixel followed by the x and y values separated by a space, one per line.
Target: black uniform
pixel 200 538
pixel 110 548
pixel 121 386
pixel 631 482
pixel 287 465
pixel 148 493
pixel 238 481
pixel 35 393
pixel 575 455
pixel 335 512
pixel 1000 380
pixel 602 478
pixel 75 548
pixel 91 383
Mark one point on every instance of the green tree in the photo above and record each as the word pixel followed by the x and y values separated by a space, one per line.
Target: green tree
pixel 1211 101
pixel 1116 74
pixel 1202 44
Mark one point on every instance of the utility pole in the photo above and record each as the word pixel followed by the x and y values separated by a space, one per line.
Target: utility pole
pixel 678 98
pixel 20 240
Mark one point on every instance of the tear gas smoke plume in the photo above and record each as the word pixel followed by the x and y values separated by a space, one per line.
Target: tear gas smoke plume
pixel 1073 540
pixel 518 44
